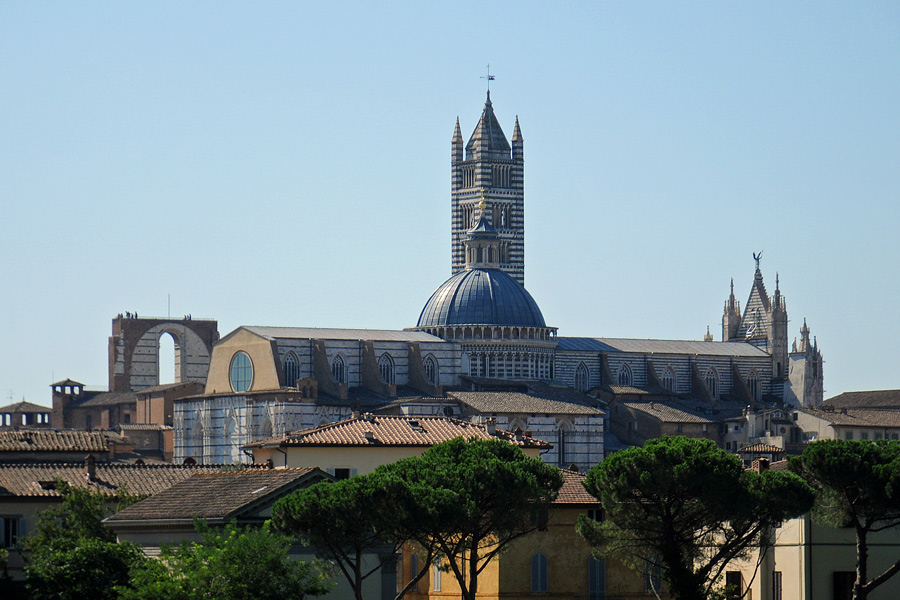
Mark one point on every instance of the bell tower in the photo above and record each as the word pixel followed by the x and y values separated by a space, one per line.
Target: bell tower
pixel 492 171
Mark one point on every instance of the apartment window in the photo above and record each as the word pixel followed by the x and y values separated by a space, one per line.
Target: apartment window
pixel 539 573
pixel 863 435
pixel 843 585
pixel 848 435
pixel 596 579
pixel 414 570
pixel 436 576
pixel 595 514
pixel 734 585
pixel 13 527
pixel 652 575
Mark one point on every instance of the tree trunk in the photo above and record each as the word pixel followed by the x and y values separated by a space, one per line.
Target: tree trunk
pixel 862 564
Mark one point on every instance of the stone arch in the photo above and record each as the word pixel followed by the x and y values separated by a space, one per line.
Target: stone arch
pixel 134 350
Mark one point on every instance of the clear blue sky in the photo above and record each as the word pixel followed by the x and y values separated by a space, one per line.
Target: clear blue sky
pixel 288 164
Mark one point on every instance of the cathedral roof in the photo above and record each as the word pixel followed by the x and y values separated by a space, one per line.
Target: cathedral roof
pixel 481 297
pixel 488 139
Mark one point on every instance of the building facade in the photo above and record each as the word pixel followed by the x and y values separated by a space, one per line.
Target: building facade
pixel 481 332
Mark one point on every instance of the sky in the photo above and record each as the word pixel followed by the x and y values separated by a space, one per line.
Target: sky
pixel 288 163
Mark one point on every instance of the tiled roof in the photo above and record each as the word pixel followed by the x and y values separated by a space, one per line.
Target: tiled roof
pixel 628 389
pixel 516 402
pixel 668 413
pixel 24 407
pixel 109 399
pixel 761 448
pixel 49 440
pixel 168 386
pixel 215 495
pixel 25 479
pixel 862 417
pixel 391 430
pixel 144 427
pixel 305 333
pixel 866 399
pixel 572 490
pixel 659 346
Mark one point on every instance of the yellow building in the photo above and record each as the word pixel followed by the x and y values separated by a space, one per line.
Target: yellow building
pixel 552 562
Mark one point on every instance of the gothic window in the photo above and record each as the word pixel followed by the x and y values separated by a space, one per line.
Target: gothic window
pixel 668 379
pixel 712 383
pixel 386 366
pixel 582 378
pixel 625 375
pixel 753 384
pixel 502 217
pixel 265 428
pixel 562 436
pixel 338 370
pixel 538 573
pixel 291 368
pixel 231 447
pixel 241 372
pixel 431 370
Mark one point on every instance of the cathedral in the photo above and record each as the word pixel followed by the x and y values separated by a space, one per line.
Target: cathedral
pixel 481 349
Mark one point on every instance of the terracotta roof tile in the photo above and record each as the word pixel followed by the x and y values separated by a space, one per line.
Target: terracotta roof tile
pixel 23 406
pixel 216 495
pixel 391 430
pixel 761 448
pixel 572 490
pixel 866 399
pixel 142 480
pixel 517 402
pixel 858 417
pixel 50 440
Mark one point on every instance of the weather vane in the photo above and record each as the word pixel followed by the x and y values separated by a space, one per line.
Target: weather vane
pixel 489 77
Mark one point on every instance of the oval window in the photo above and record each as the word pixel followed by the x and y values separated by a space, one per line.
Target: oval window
pixel 241 372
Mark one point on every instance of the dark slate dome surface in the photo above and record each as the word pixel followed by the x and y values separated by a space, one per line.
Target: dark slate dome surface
pixel 481 297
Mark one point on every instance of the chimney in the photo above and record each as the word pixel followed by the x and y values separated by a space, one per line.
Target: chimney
pixel 90 468
pixel 491 425
pixel 761 464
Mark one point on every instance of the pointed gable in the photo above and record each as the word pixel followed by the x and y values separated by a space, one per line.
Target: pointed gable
pixel 488 139
pixel 754 324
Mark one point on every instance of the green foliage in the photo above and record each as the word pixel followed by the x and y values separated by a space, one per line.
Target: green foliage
pixel 234 564
pixel 857 485
pixel 857 482
pixel 72 555
pixel 470 499
pixel 345 520
pixel 690 504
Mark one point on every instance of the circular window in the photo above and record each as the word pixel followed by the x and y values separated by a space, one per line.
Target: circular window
pixel 241 372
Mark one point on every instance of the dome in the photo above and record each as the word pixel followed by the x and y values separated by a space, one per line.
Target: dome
pixel 481 297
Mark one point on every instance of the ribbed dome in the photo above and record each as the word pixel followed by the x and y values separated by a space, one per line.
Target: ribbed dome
pixel 481 297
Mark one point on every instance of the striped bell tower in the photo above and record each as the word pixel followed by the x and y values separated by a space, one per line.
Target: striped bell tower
pixel 491 170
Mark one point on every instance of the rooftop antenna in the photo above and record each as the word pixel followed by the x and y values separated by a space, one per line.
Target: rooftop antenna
pixel 489 77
